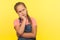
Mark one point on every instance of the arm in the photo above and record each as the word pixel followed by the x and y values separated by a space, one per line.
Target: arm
pixel 33 33
pixel 20 27
pixel 30 35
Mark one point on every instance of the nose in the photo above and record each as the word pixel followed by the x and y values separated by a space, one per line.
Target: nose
pixel 22 12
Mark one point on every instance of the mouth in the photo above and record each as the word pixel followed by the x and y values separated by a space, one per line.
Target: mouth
pixel 24 15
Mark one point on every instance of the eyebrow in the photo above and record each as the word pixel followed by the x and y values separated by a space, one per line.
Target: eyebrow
pixel 23 9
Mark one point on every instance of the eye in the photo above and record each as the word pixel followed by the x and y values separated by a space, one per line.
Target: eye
pixel 19 11
pixel 23 9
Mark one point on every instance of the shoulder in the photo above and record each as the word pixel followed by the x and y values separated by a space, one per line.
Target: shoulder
pixel 33 21
pixel 16 22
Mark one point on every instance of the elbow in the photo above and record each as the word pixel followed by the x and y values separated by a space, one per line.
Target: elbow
pixel 34 35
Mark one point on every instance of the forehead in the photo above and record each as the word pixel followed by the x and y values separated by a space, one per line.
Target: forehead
pixel 20 7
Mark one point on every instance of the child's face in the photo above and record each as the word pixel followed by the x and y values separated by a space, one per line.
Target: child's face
pixel 21 10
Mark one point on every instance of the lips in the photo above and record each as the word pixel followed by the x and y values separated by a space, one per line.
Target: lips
pixel 23 15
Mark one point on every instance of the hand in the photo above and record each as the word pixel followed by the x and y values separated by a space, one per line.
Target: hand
pixel 23 17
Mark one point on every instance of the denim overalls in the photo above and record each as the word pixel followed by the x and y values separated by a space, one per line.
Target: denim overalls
pixel 28 28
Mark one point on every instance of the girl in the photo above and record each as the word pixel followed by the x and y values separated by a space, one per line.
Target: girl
pixel 25 25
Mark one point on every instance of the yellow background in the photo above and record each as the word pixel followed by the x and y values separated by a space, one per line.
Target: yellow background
pixel 46 13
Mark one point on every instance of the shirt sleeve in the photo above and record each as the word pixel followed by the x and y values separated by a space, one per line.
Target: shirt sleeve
pixel 34 22
pixel 16 22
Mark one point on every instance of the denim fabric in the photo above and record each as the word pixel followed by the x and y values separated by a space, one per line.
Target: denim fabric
pixel 28 28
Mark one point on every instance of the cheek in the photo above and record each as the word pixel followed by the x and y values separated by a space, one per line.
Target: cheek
pixel 25 12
